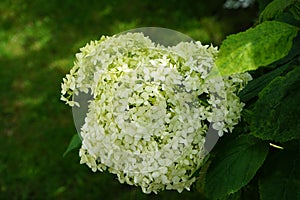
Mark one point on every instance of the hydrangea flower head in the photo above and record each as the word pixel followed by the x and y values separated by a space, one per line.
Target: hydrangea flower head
pixel 150 109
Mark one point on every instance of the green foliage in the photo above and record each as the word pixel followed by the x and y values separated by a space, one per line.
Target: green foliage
pixel 270 51
pixel 74 143
pixel 281 177
pixel 233 196
pixel 256 47
pixel 295 10
pixel 256 85
pixel 275 8
pixel 275 116
pixel 262 4
pixel 235 165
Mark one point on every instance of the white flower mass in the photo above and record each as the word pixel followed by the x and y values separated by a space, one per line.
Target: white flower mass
pixel 151 108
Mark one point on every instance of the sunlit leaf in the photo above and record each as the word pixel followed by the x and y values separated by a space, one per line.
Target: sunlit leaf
pixel 256 47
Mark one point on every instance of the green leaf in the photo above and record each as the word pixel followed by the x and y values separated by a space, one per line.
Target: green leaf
pixel 275 8
pixel 295 10
pixel 233 196
pixel 235 165
pixel 256 85
pixel 281 177
pixel 256 47
pixel 262 4
pixel 74 143
pixel 276 114
pixel 281 66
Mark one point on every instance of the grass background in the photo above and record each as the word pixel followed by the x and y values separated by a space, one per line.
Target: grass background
pixel 38 41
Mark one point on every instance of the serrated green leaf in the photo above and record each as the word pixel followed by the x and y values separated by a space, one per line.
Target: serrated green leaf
pixel 74 143
pixel 276 114
pixel 256 47
pixel 275 8
pixel 281 177
pixel 235 165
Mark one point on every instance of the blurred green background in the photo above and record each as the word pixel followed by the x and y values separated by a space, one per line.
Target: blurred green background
pixel 38 41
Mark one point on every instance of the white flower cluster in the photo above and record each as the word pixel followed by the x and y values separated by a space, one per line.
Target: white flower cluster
pixel 151 108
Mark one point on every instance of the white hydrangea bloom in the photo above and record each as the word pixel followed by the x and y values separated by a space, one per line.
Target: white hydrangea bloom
pixel 151 108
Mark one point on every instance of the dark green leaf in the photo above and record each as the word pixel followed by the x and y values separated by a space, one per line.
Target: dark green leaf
pixel 276 114
pixel 256 85
pixel 256 47
pixel 281 178
pixel 295 10
pixel 234 196
pixel 74 143
pixel 275 8
pixel 235 165
pixel 262 4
